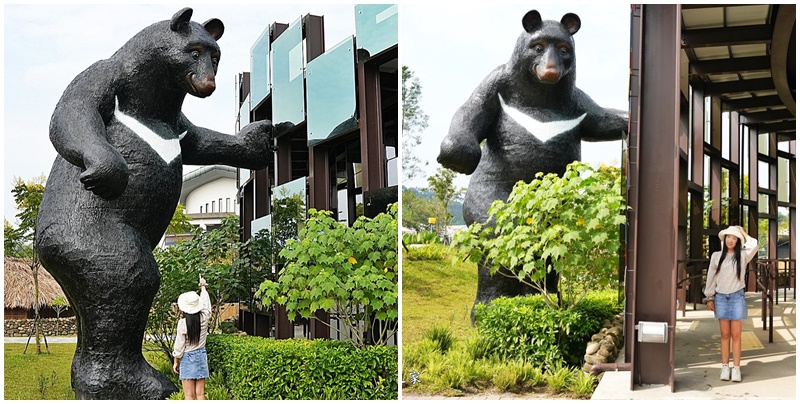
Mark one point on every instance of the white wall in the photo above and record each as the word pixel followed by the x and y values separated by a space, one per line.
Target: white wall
pixel 224 188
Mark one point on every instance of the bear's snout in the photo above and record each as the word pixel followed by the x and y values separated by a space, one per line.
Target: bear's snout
pixel 203 85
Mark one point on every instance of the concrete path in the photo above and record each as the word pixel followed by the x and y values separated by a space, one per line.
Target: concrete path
pixel 768 369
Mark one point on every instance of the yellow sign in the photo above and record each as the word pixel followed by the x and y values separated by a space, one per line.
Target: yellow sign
pixel 431 220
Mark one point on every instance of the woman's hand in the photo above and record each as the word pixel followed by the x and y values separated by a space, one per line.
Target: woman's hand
pixel 203 282
pixel 175 366
pixel 710 305
pixel 744 233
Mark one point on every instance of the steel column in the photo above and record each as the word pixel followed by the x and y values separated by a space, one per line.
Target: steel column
pixel 655 231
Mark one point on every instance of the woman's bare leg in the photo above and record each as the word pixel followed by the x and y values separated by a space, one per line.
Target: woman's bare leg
pixel 736 335
pixel 725 343
pixel 188 389
pixel 200 389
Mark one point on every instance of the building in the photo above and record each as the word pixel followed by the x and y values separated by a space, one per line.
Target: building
pixel 336 115
pixel 712 143
pixel 208 195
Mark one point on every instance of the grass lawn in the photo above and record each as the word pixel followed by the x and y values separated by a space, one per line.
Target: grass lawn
pixel 25 373
pixel 46 376
pixel 436 293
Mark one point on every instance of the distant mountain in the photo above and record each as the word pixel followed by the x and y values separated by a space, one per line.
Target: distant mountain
pixel 456 207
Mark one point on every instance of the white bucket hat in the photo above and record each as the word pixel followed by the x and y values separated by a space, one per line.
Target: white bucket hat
pixel 733 231
pixel 189 302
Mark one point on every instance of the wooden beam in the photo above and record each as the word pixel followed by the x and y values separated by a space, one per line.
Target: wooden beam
pixel 751 34
pixel 754 102
pixel 767 116
pixel 785 126
pixel 731 65
pixel 739 86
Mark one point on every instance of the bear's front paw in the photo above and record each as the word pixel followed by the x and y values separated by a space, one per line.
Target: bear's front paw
pixel 459 157
pixel 106 176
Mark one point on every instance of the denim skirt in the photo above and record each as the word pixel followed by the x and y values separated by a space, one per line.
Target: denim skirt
pixel 730 306
pixel 194 365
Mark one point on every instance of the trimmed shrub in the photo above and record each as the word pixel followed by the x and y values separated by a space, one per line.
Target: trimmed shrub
pixel 257 368
pixel 427 252
pixel 525 328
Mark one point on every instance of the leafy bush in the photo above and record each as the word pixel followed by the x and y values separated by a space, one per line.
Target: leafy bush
pixel 350 270
pixel 526 328
pixel 442 336
pixel 423 237
pixel 427 252
pixel 568 225
pixel 295 369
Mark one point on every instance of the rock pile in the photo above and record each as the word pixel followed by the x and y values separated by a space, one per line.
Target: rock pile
pixel 605 345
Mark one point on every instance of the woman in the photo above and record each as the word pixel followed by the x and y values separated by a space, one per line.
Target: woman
pixel 725 293
pixel 190 342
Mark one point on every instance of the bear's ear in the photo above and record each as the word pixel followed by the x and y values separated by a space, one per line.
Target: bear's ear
pixel 215 28
pixel 531 21
pixel 571 22
pixel 180 20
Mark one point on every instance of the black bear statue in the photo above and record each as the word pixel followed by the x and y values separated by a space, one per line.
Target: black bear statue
pixel 122 141
pixel 532 118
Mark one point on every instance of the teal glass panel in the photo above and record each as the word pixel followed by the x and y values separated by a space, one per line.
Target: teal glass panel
pixel 259 68
pixel 331 81
pixel 288 89
pixel 376 27
pixel 291 189
pixel 260 224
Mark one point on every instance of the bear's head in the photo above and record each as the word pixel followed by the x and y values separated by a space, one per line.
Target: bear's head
pixel 545 52
pixel 177 55
pixel 195 54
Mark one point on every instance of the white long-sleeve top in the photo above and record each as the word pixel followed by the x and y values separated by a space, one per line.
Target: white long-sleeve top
pixel 181 344
pixel 723 279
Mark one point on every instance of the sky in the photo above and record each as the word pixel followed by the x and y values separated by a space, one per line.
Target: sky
pixel 450 52
pixel 46 46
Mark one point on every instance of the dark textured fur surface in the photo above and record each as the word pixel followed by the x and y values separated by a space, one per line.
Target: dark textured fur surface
pixel 122 141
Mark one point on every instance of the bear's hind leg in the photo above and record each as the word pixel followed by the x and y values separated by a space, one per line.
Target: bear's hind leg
pixel 113 278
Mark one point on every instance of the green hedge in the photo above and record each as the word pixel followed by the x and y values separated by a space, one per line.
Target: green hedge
pixel 525 328
pixel 255 368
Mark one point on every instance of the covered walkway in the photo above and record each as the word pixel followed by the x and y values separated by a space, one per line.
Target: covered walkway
pixel 768 369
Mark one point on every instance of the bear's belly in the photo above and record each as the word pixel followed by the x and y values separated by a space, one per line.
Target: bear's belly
pixel 147 204
pixel 514 154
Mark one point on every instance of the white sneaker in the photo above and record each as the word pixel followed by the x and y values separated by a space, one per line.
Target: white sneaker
pixel 736 374
pixel 725 374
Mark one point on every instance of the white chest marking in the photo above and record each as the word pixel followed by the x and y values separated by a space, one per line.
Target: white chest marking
pixel 168 149
pixel 543 131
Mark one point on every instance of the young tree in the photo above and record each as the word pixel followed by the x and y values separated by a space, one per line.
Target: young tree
pixel 216 256
pixel 415 121
pixel 179 224
pixel 28 198
pixel 60 305
pixel 567 224
pixel 443 186
pixel 350 270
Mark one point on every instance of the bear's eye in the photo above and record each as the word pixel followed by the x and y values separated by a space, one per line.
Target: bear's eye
pixel 195 55
pixel 538 48
pixel 564 51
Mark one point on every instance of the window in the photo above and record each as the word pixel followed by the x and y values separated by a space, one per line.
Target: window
pixel 213 207
pixel 220 206
pixel 201 209
pixel 228 205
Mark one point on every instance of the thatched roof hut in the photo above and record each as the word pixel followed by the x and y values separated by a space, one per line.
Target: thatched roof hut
pixel 18 291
